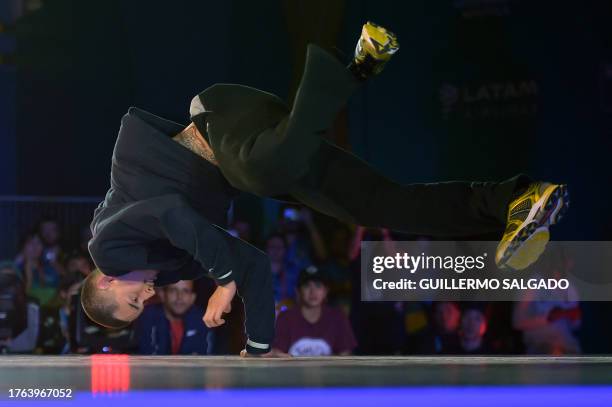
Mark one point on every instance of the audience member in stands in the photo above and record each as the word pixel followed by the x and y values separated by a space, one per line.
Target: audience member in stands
pixel 50 234
pixel 548 326
pixel 313 328
pixel 383 317
pixel 175 325
pixel 305 244
pixel 54 335
pixel 442 336
pixel 549 318
pixel 472 331
pixel 40 277
pixel 363 234
pixel 447 317
pixel 23 341
pixel 336 268
pixel 284 270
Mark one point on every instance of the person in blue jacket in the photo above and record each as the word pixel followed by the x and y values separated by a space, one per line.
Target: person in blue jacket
pixel 174 326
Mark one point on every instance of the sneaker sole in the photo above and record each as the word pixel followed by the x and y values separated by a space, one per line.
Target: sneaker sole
pixel 531 239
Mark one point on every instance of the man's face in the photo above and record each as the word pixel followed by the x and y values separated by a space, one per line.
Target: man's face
pixel 473 324
pixel 313 294
pixel 447 317
pixel 33 248
pixel 178 298
pixel 130 291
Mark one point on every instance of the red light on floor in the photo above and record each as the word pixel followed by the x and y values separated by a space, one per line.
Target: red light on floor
pixel 110 374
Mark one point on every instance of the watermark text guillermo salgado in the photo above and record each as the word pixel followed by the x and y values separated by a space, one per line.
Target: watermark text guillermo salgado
pixel 466 271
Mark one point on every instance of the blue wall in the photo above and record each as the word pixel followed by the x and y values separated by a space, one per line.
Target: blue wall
pixel 8 166
pixel 477 90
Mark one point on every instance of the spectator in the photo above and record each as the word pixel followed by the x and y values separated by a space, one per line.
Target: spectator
pixel 336 268
pixel 304 242
pixel 383 317
pixel 442 334
pixel 548 318
pixel 50 235
pixel 284 271
pixel 371 234
pixel 313 328
pixel 175 326
pixel 472 331
pixel 54 335
pixel 548 326
pixel 40 277
pixel 447 317
pixel 21 339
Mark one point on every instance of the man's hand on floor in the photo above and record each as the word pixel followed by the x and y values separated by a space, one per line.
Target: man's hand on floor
pixel 274 353
pixel 219 302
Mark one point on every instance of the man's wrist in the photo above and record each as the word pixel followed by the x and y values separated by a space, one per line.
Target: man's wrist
pixel 225 278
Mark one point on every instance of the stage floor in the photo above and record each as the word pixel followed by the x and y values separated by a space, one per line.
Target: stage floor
pixel 164 379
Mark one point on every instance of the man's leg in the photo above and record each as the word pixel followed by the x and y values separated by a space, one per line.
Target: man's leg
pixel 343 186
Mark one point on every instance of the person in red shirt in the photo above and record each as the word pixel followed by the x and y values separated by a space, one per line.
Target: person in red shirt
pixel 313 328
pixel 174 327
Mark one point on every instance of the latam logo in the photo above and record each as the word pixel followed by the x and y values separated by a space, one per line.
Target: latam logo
pixel 490 100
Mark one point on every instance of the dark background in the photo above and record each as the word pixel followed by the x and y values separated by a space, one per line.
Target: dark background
pixel 481 89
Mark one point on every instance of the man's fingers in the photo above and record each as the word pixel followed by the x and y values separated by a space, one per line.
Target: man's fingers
pixel 272 354
pixel 275 353
pixel 217 305
pixel 211 320
pixel 214 323
pixel 217 317
pixel 207 320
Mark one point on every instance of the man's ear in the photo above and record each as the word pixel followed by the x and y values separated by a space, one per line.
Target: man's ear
pixel 104 282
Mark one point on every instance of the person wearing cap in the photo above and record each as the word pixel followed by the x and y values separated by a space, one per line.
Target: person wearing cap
pixel 313 328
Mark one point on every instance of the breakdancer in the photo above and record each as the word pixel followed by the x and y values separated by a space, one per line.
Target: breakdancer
pixel 171 187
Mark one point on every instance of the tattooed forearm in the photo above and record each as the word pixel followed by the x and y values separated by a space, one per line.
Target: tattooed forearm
pixel 191 139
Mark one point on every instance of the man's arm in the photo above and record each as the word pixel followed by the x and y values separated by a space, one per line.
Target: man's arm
pixel 224 257
pixel 118 239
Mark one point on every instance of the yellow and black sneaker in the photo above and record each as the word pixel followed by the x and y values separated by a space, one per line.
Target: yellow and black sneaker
pixel 375 47
pixel 529 216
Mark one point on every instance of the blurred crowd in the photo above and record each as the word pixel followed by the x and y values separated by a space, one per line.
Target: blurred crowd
pixel 316 269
